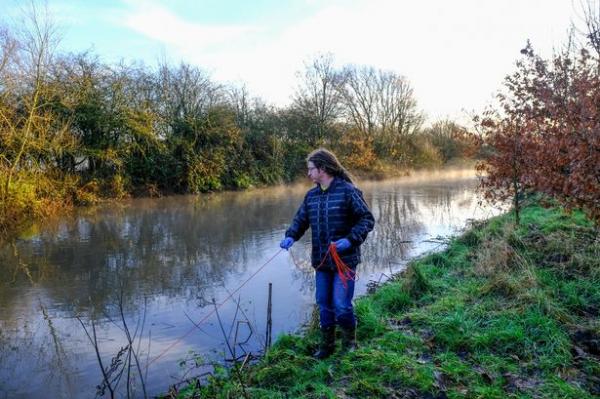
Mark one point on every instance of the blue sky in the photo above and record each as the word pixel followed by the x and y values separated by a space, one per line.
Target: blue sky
pixel 455 53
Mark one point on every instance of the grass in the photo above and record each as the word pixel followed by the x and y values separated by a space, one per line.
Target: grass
pixel 504 311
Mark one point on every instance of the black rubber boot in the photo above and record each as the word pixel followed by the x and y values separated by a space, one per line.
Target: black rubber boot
pixel 327 344
pixel 349 339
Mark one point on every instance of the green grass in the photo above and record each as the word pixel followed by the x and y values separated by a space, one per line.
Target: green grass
pixel 503 312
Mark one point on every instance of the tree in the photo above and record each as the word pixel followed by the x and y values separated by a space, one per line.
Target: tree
pixel 506 169
pixel 239 99
pixel 452 139
pixel 381 105
pixel 547 138
pixel 318 98
pixel 359 93
pixel 185 93
pixel 26 122
pixel 591 17
pixel 8 48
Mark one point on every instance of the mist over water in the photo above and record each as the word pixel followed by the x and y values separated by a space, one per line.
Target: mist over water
pixel 168 258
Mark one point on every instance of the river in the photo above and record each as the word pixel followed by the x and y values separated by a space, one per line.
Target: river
pixel 160 262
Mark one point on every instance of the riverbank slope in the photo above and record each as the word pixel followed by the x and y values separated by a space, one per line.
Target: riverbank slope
pixel 504 311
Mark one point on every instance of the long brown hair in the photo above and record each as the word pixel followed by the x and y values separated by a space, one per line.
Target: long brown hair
pixel 327 161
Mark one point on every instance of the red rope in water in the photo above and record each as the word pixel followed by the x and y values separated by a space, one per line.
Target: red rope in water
pixel 174 343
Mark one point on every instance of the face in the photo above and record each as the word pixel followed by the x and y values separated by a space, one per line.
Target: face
pixel 314 173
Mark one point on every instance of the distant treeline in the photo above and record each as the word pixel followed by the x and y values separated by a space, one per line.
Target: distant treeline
pixel 74 129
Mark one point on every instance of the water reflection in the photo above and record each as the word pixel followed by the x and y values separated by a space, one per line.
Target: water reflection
pixel 172 256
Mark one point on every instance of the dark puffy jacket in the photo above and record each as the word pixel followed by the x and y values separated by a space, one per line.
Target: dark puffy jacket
pixel 338 212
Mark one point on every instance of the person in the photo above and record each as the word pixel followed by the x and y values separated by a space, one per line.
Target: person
pixel 336 213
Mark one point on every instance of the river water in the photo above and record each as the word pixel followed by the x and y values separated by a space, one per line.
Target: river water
pixel 155 265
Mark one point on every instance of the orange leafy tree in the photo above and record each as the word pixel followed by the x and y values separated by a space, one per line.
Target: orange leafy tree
pixel 546 135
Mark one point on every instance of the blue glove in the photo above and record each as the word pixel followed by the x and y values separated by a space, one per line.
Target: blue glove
pixel 286 243
pixel 342 244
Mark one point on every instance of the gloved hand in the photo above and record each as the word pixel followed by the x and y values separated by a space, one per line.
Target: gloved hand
pixel 342 244
pixel 286 243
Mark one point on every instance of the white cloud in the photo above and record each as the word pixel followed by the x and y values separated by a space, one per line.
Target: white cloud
pixel 455 53
pixel 158 23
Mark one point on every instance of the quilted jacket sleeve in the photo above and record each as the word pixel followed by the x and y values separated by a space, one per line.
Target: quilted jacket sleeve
pixel 300 222
pixel 363 216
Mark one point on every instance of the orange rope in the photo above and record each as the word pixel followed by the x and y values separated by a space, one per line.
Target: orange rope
pixel 172 345
pixel 343 270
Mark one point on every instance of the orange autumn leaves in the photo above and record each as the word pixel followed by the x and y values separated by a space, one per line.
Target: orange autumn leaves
pixel 545 137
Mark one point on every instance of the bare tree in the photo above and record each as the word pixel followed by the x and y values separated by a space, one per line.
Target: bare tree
pixel 31 53
pixel 187 91
pixel 8 48
pixel 318 97
pixel 397 112
pixel 359 93
pixel 239 100
pixel 8 54
pixel 381 104
pixel 591 17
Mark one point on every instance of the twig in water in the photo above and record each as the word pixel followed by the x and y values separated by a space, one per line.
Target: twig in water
pixel 237 308
pixel 269 319
pixel 236 371
pixel 148 355
pixel 241 310
pixel 222 329
pixel 131 340
pixel 93 339
pixel 235 339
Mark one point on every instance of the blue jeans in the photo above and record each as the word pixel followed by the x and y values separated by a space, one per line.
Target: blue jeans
pixel 334 300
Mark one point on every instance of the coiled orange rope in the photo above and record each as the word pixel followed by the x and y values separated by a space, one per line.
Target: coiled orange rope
pixel 343 270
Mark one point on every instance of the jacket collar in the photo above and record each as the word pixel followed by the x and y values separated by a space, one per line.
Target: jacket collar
pixel 334 182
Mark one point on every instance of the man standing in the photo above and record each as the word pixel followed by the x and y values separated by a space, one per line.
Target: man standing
pixel 337 214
